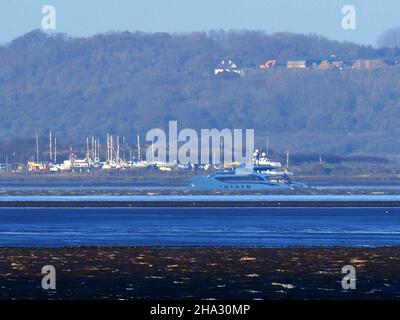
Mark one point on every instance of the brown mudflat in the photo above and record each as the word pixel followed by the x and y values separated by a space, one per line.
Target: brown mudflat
pixel 200 273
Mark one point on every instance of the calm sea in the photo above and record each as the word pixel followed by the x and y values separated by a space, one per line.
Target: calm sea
pixel 268 227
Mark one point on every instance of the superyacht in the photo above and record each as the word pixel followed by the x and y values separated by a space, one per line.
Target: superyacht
pixel 262 174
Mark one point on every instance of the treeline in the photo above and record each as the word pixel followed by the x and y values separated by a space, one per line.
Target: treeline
pixel 127 83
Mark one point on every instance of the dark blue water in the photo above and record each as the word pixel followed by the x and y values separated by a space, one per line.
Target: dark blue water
pixel 267 227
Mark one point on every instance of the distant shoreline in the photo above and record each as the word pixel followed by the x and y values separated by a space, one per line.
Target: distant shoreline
pixel 199 204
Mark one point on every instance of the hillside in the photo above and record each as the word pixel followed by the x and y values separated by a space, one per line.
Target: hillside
pixel 127 83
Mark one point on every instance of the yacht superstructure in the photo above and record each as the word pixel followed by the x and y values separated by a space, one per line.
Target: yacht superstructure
pixel 262 174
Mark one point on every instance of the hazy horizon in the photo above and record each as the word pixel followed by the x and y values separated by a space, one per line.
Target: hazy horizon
pixel 324 18
pixel 172 33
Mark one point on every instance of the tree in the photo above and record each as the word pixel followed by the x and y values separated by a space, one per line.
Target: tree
pixel 390 38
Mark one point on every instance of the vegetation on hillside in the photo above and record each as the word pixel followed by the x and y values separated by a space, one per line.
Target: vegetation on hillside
pixel 127 83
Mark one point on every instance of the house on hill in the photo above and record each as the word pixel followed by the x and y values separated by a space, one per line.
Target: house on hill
pixel 227 69
pixel 369 64
pixel 329 65
pixel 296 64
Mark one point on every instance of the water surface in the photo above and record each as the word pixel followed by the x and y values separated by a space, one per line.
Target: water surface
pixel 267 227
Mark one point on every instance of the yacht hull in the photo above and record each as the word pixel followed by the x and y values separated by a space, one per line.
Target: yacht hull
pixel 211 184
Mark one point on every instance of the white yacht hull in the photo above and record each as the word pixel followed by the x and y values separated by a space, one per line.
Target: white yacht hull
pixel 209 183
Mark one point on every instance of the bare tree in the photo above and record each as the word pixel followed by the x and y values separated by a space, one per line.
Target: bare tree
pixel 390 38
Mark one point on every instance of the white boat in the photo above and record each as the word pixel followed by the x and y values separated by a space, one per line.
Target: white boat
pixel 243 178
pixel 261 160
pixel 138 164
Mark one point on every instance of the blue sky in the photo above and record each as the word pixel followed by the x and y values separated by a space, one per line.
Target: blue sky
pixel 88 17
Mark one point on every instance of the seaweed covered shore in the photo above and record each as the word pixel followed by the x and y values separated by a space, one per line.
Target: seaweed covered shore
pixel 199 273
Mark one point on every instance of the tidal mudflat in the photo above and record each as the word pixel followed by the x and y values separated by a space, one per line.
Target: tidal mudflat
pixel 200 273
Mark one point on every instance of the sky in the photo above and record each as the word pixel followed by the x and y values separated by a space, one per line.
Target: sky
pixel 89 17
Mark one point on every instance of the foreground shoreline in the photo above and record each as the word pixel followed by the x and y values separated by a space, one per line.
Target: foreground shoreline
pixel 200 273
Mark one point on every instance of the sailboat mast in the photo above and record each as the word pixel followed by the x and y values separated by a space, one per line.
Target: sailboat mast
pixel 138 147
pixel 123 148
pixel 37 148
pixel 111 148
pixel 93 153
pixel 50 147
pixel 87 148
pixel 287 159
pixel 108 147
pixel 117 149
pixel 55 150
